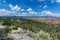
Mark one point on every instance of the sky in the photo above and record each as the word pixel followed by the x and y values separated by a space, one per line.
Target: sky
pixel 30 8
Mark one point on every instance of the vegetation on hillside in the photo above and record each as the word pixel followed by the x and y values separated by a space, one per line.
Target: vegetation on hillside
pixel 4 34
pixel 49 30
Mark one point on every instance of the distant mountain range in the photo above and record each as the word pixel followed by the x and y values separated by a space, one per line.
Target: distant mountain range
pixel 46 19
pixel 28 17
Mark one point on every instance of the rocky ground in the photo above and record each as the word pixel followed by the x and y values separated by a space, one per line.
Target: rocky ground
pixel 1 26
pixel 20 35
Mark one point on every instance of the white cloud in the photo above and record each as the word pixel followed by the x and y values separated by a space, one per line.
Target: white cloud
pixel 52 1
pixel 46 13
pixel 29 9
pixel 22 14
pixel 14 8
pixel 45 6
pixel 4 1
pixel 22 10
pixel 57 0
pixel 11 6
pixel 41 0
pixel 4 12
pixel 49 13
pixel 32 12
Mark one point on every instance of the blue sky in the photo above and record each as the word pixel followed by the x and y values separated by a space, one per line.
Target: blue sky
pixel 30 8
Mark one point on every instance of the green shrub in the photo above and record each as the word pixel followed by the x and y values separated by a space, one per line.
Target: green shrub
pixel 7 29
pixel 7 22
pixel 44 36
pixel 31 34
pixel 15 28
pixel 3 35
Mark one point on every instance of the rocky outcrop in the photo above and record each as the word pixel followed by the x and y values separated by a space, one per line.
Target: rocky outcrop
pixel 20 35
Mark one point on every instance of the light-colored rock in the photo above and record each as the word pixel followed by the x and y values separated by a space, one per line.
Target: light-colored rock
pixel 18 35
pixel 1 26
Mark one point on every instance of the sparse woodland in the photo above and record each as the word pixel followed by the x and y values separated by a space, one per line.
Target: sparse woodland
pixel 37 30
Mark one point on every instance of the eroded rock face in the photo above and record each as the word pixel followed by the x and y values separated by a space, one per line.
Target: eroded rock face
pixel 20 35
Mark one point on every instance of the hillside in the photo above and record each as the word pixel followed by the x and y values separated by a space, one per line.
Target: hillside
pixel 46 20
pixel 36 29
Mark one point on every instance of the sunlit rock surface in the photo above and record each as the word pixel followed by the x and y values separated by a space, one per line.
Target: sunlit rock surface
pixel 20 35
pixel 1 26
